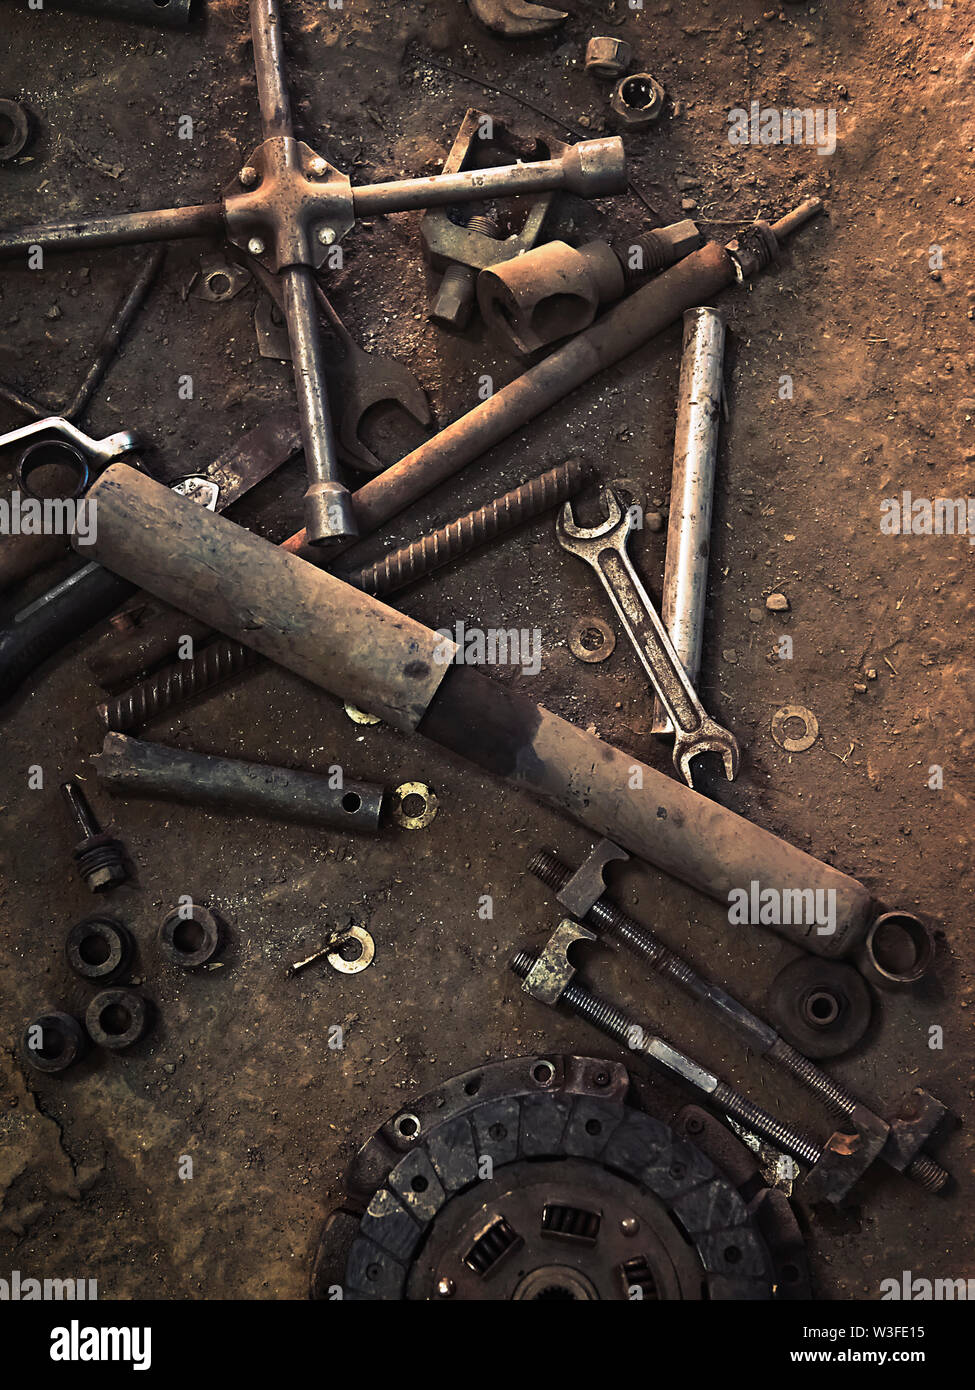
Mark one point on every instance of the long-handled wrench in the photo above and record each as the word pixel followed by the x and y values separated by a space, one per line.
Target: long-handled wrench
pixel 604 548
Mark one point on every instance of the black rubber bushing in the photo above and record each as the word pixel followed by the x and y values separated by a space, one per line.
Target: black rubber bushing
pixel 190 936
pixel 821 1007
pixel 99 948
pixel 14 128
pixel 117 1018
pixel 53 1041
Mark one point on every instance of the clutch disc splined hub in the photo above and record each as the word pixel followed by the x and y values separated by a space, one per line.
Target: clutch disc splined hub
pixel 537 1179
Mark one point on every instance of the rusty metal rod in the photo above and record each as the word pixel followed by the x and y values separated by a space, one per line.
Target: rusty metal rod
pixel 117 229
pixel 183 680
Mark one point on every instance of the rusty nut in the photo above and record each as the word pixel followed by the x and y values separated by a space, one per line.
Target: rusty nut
pixel 637 100
pixel 608 57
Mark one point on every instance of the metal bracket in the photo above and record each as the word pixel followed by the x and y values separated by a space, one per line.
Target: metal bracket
pixel 588 884
pixel 294 206
pixel 552 971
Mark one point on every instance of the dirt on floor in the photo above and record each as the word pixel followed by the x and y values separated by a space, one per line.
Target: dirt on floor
pixel 849 382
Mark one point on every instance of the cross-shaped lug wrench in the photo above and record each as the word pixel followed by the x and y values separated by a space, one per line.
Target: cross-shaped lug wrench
pixel 604 548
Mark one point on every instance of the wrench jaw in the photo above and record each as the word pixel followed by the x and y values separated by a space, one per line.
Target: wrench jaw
pixel 709 739
pixel 569 532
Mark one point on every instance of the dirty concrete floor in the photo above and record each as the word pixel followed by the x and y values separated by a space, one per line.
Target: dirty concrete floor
pixel 877 338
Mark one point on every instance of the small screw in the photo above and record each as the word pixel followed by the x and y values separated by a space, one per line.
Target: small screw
pixel 445 1288
pixel 326 235
pixel 629 1225
pixel 256 246
pixel 248 176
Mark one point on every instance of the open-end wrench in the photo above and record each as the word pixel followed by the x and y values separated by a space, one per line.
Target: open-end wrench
pixel 604 548
pixel 359 380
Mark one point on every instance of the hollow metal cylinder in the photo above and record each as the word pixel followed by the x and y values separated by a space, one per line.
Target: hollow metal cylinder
pixel 150 769
pixel 692 492
pixel 288 610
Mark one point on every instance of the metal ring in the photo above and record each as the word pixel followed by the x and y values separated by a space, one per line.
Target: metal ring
pixel 804 740
pixel 365 957
pixel 898 949
pixel 359 716
pixel 190 936
pixel 583 628
pixel 52 453
pixel 422 818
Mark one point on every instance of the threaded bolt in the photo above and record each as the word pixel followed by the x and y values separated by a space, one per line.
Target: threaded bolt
pixel 175 684
pixel 438 548
pixel 604 915
pixel 623 1029
pixel 99 857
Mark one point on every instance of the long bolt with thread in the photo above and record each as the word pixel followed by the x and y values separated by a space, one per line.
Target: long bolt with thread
pixel 629 1032
pixel 605 916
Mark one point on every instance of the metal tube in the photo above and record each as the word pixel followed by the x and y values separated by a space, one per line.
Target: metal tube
pixel 692 492
pixel 327 503
pixel 505 181
pixel 117 229
pixel 150 769
pixel 272 87
pixel 290 611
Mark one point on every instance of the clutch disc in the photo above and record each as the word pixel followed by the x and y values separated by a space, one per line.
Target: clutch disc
pixel 537 1179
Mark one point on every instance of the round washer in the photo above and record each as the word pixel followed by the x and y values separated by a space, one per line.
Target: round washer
pixel 117 1018
pixel 821 1007
pixel 99 948
pixel 367 950
pixel 799 742
pixel 591 640
pixel 418 820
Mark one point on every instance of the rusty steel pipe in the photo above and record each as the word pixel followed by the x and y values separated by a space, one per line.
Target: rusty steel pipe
pixel 117 229
pixel 685 583
pixel 357 648
pixel 154 770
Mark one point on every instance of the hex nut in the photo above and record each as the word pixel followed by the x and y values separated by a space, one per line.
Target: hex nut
pixel 608 57
pixel 61 1042
pixel 637 100
pixel 99 948
pixel 190 936
pixel 117 1018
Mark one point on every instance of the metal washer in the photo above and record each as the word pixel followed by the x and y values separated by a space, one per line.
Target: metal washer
pixel 365 957
pixel 806 739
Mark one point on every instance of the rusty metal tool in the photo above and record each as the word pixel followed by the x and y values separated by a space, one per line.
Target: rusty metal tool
pixel 516 19
pixel 835 1167
pixel 390 666
pixel 287 207
pixel 36 632
pixel 626 327
pixel 603 547
pixel 175 684
pixel 358 380
pixel 593 907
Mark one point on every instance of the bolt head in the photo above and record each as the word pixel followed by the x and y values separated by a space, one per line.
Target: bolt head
pixel 248 176
pixel 256 246
pixel 629 1225
pixel 318 167
pixel 326 235
pixel 445 1287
